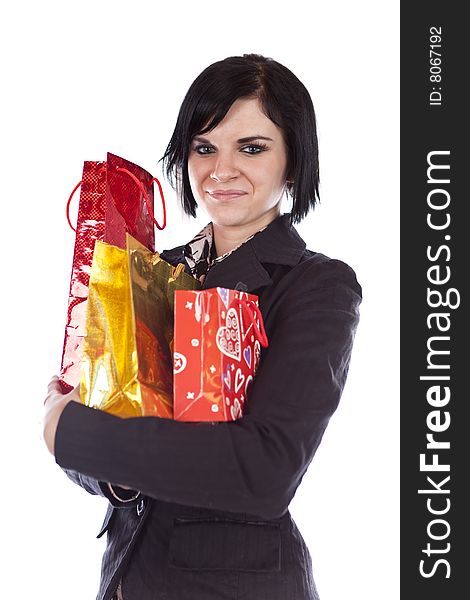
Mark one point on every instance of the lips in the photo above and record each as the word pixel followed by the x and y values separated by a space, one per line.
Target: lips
pixel 226 194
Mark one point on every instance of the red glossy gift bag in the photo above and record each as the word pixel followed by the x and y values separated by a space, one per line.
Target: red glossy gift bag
pixel 217 344
pixel 116 198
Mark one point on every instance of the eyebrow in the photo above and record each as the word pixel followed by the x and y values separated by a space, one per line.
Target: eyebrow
pixel 243 140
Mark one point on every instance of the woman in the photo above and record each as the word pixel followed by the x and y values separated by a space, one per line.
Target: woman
pixel 201 511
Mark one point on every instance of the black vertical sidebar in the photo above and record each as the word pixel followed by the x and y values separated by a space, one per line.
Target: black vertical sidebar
pixel 435 322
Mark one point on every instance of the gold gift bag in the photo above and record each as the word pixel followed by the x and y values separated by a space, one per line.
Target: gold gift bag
pixel 127 364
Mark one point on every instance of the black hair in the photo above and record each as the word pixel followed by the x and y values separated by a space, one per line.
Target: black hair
pixel 283 98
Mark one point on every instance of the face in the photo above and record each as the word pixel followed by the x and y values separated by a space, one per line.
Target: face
pixel 237 170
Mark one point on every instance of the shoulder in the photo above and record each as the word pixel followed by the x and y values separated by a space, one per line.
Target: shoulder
pixel 316 287
pixel 317 272
pixel 323 269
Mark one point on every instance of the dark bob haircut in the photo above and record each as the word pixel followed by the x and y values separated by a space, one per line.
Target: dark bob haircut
pixel 283 99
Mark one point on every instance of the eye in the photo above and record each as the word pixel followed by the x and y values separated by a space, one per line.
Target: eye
pixel 203 149
pixel 254 148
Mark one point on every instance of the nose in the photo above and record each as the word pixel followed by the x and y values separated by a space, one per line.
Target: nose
pixel 224 169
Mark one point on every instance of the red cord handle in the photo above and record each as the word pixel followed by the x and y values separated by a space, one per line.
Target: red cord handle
pixel 142 189
pixel 253 316
pixel 146 196
pixel 68 205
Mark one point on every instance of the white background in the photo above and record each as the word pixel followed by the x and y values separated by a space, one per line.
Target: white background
pixel 83 78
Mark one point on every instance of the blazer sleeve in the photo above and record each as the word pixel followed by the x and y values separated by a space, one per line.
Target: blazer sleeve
pixel 252 465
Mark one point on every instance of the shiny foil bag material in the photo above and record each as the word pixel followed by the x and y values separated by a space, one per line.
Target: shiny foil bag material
pixel 127 366
pixel 110 205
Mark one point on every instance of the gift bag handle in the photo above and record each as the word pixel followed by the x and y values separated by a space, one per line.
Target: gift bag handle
pixel 146 196
pixel 68 205
pixel 67 210
pixel 252 316
pixel 142 189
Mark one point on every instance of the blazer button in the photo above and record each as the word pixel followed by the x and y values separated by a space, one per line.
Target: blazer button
pixel 140 508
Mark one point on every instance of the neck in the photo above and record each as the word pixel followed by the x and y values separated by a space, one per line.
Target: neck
pixel 228 237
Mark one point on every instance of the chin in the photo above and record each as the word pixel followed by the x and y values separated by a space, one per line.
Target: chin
pixel 228 215
pixel 221 222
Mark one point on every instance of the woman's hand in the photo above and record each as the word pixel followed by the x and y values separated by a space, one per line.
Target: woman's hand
pixel 55 403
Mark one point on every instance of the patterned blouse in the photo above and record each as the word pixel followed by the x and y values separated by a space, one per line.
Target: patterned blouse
pixel 200 251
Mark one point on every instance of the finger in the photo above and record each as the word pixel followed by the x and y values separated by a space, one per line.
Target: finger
pixel 54 384
pixel 53 389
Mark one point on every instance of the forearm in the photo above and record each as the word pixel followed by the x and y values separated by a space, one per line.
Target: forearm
pixel 207 471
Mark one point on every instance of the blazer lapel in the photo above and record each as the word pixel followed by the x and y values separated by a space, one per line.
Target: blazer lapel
pixel 279 243
pixel 242 267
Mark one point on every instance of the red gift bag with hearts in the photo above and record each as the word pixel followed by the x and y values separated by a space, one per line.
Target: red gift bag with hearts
pixel 217 345
pixel 116 198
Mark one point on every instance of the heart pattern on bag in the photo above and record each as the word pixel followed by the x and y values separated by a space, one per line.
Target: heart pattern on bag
pixel 228 337
pixel 223 335
pixel 247 356
pixel 236 410
pixel 239 379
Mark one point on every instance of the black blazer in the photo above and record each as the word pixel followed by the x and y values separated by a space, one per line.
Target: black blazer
pixel 212 520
